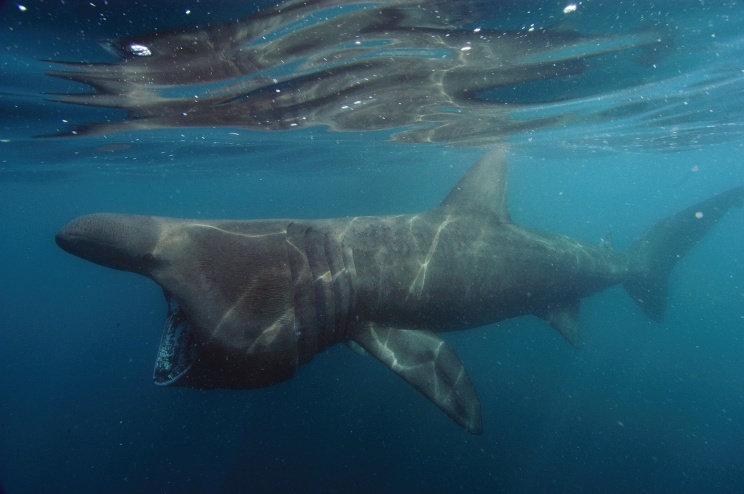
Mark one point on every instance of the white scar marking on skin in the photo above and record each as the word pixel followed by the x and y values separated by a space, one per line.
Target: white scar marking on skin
pixel 266 337
pixel 293 246
pixel 343 232
pixel 390 357
pixel 228 314
pixel 272 333
pixel 326 277
pixel 260 235
pixel 417 286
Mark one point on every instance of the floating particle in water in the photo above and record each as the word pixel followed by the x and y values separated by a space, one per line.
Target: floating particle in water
pixel 140 50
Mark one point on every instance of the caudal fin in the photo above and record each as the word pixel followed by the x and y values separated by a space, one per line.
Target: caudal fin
pixel 659 249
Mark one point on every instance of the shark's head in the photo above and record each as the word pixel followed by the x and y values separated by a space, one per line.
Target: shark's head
pixel 116 241
pixel 228 286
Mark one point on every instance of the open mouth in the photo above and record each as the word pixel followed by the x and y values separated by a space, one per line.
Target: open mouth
pixel 177 352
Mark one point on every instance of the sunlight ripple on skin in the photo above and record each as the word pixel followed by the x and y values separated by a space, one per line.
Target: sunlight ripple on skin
pixel 417 285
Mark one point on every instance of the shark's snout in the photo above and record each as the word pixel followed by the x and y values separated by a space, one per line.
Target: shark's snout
pixel 71 236
pixel 65 239
pixel 78 235
pixel 113 240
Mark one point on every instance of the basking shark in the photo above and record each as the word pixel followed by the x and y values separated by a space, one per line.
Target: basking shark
pixel 250 301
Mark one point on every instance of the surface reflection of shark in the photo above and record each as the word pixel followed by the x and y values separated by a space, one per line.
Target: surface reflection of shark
pixel 250 301
pixel 356 66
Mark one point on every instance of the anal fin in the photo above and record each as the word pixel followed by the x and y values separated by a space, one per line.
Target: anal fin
pixel 427 363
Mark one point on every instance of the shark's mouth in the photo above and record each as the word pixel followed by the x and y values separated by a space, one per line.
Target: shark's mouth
pixel 177 352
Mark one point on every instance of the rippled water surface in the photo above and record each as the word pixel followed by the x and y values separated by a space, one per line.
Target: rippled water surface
pixel 603 77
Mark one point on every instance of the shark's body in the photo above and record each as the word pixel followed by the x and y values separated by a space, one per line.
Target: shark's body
pixel 249 301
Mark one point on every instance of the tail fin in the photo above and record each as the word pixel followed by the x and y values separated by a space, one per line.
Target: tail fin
pixel 659 249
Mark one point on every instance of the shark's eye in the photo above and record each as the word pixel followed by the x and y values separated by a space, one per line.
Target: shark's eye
pixel 147 258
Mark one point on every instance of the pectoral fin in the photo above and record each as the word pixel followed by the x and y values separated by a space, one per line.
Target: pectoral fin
pixel 356 348
pixel 427 363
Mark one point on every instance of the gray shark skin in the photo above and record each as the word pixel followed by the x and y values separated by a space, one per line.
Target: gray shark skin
pixel 250 301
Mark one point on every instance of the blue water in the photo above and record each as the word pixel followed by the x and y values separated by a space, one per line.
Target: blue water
pixel 639 407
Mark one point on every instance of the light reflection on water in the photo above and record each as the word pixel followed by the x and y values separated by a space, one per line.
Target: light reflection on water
pixel 430 72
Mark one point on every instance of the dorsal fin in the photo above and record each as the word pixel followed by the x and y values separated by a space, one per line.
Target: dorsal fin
pixel 483 188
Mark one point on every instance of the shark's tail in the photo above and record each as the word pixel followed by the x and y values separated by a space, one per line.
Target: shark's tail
pixel 659 249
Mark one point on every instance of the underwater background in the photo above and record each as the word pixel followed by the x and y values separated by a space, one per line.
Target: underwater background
pixel 642 117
